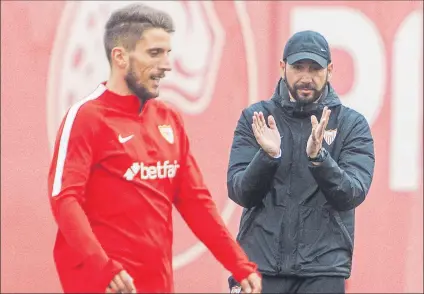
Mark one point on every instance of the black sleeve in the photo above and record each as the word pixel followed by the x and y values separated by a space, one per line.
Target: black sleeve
pixel 346 184
pixel 251 170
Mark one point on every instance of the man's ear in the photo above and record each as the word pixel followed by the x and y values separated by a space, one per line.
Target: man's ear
pixel 330 71
pixel 282 68
pixel 119 57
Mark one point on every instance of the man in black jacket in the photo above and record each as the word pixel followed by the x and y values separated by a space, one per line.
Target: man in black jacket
pixel 300 179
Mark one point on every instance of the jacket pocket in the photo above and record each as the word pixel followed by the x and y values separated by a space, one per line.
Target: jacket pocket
pixel 344 230
pixel 322 245
pixel 259 236
pixel 246 221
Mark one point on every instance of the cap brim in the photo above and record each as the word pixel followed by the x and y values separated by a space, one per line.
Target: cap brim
pixel 307 55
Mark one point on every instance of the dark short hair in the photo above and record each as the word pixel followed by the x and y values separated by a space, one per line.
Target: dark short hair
pixel 126 26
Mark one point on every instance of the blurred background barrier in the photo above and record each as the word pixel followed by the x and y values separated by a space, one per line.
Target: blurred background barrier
pixel 225 57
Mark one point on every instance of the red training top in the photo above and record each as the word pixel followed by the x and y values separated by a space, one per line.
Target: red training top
pixel 114 177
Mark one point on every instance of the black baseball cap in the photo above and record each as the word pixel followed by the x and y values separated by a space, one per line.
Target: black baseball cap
pixel 307 45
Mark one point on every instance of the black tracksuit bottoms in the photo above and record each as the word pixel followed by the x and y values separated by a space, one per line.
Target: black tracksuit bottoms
pixel 320 284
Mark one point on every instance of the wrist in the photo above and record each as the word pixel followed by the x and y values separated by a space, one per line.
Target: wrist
pixel 314 154
pixel 274 154
pixel 319 157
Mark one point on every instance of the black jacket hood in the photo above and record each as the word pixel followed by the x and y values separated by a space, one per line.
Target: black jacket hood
pixel 281 97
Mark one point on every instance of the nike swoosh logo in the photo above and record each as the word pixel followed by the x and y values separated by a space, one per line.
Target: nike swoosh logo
pixel 124 139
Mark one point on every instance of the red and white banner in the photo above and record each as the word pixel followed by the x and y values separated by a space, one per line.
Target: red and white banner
pixel 226 56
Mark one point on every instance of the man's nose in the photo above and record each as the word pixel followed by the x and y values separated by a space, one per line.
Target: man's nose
pixel 306 78
pixel 165 64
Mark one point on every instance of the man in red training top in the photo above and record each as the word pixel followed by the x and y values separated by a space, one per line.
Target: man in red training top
pixel 121 161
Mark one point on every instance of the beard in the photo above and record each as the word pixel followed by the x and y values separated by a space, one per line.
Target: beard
pixel 301 99
pixel 136 87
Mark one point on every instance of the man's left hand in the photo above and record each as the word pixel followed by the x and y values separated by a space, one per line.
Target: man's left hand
pixel 252 284
pixel 318 128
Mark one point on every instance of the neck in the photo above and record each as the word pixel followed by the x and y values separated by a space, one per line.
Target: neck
pixel 118 85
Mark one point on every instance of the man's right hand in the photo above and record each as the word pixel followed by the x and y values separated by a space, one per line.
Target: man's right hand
pixel 267 137
pixel 121 283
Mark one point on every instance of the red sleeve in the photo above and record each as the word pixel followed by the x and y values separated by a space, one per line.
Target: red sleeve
pixel 69 171
pixel 197 208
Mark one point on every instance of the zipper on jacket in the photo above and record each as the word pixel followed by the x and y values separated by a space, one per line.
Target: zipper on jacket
pixel 296 243
pixel 280 239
